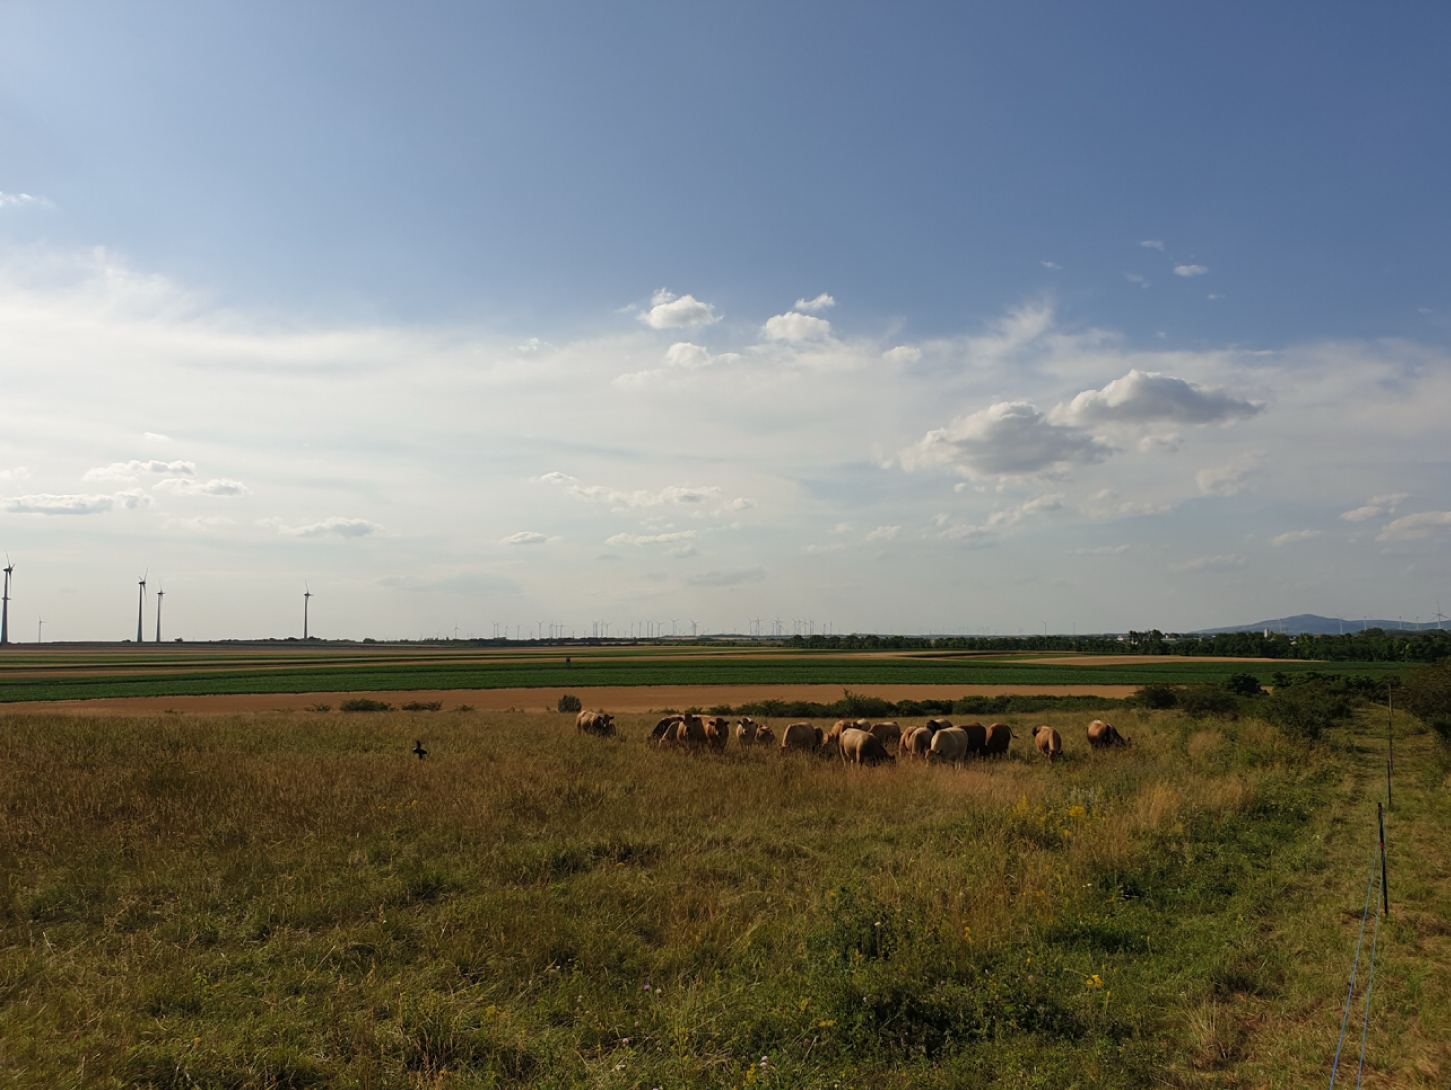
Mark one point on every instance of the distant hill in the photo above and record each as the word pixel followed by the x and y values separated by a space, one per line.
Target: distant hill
pixel 1319 626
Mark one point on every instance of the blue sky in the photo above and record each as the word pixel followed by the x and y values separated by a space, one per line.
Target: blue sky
pixel 949 318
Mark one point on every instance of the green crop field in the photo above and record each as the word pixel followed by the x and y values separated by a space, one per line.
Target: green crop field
pixel 221 669
pixel 288 900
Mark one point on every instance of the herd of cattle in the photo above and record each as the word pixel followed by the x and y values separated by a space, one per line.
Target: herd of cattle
pixel 856 741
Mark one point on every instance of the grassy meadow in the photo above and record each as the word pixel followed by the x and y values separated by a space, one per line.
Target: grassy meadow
pixel 290 900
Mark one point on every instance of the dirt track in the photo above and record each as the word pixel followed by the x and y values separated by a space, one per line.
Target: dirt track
pixel 644 698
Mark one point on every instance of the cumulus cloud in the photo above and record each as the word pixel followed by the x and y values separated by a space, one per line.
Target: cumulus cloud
pixel 1377 507
pixel 681 356
pixel 1210 563
pixel 217 486
pixel 1011 438
pixel 731 578
pixel 1226 480
pixel 525 537
pixel 672 537
pixel 903 353
pixel 884 533
pixel 686 495
pixel 821 302
pixel 337 526
pixel 19 473
pixel 1142 397
pixel 1153 244
pixel 46 504
pixel 1035 506
pixel 740 503
pixel 1413 527
pixel 129 471
pixel 670 311
pixel 18 200
pixel 1161 443
pixel 1294 536
pixel 792 326
pixel 1190 270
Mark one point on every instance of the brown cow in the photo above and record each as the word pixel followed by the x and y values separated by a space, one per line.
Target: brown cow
pixel 917 742
pixel 717 731
pixel 888 733
pixel 934 725
pixel 862 747
pixel 765 736
pixel 588 722
pixel 1102 735
pixel 847 724
pixel 746 731
pixel 669 723
pixel 690 731
pixel 949 744
pixel 801 736
pixel 1049 742
pixel 995 742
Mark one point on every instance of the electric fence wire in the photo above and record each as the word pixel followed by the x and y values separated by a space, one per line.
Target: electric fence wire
pixel 1369 984
pixel 1355 968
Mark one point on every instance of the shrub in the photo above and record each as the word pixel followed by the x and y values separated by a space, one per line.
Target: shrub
pixel 1304 711
pixel 1204 700
pixel 1426 694
pixel 363 704
pixel 1243 685
pixel 569 703
pixel 421 706
pixel 1155 696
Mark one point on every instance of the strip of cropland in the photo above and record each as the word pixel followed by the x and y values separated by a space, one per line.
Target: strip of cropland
pixel 200 670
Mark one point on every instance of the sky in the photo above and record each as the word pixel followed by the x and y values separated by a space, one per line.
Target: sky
pixel 723 317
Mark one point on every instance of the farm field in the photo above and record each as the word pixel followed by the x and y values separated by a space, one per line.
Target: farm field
pixel 292 899
pixel 46 673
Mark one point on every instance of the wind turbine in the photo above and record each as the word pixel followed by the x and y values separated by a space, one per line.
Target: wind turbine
pixel 141 605
pixel 1439 615
pixel 160 594
pixel 5 603
pixel 39 630
pixel 306 596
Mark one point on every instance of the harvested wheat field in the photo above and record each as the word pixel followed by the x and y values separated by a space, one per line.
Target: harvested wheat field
pixel 295 899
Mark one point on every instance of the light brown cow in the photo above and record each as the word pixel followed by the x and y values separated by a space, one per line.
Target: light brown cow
pixel 801 736
pixel 717 731
pixel 669 723
pixel 765 736
pixel 949 744
pixel 888 733
pixel 1102 735
pixel 917 742
pixel 1049 742
pixel 746 731
pixel 862 747
pixel 588 722
pixel 995 744
pixel 847 724
pixel 690 731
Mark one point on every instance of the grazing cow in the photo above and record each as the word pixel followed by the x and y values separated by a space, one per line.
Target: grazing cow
pixel 995 744
pixel 862 747
pixel 949 744
pixel 889 734
pixel 588 722
pixel 746 731
pixel 1049 742
pixel 717 731
pixel 765 736
pixel 1102 735
pixel 976 737
pixel 934 725
pixel 689 731
pixel 801 736
pixel 847 724
pixel 917 742
pixel 668 724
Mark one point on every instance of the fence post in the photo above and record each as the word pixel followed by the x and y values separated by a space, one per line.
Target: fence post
pixel 1385 892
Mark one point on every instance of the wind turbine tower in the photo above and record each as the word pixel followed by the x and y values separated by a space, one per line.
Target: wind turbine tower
pixel 5 604
pixel 306 595
pixel 141 607
pixel 160 594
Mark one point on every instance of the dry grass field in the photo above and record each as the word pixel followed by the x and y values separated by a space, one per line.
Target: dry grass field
pixel 293 899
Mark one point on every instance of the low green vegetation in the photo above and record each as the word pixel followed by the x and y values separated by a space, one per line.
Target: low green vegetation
pixel 295 900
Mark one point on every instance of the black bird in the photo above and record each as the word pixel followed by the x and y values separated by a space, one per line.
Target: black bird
pixel 419 750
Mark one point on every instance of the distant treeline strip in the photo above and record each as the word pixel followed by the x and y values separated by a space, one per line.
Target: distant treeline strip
pixel 783 670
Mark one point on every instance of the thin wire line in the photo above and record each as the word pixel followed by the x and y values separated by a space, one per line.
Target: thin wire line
pixel 1355 968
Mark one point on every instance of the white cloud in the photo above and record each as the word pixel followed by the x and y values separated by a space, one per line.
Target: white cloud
pixel 1147 396
pixel 133 498
pixel 1014 515
pixel 1135 278
pixel 155 437
pixel 884 533
pixel 681 356
pixel 792 326
pixel 18 200
pixel 965 533
pixel 834 547
pixel 1227 480
pixel 45 504
pixel 652 539
pixel 685 495
pixel 740 503
pixel 19 473
pixel 669 311
pixel 217 486
pixel 525 537
pixel 1103 550
pixel 731 578
pixel 1412 527
pixel 1190 270
pixel 1378 506
pixel 687 355
pixel 1051 265
pixel 128 471
pixel 337 526
pixel 903 353
pixel 1011 438
pixel 1294 536
pixel 1210 563
pixel 821 302
pixel 1165 443
pixel 1153 244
